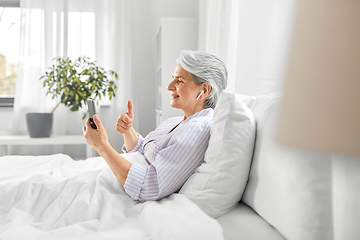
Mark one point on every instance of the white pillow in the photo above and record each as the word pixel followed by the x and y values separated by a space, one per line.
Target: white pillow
pixel 289 188
pixel 218 184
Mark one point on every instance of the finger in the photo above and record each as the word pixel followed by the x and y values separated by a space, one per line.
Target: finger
pixel 118 125
pixel 121 129
pixel 97 121
pixel 87 124
pixel 126 119
pixel 130 109
pixel 85 128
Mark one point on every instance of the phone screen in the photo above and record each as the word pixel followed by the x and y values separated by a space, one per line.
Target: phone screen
pixel 92 112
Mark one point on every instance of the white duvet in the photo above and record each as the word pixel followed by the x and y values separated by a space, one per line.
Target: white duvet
pixel 55 197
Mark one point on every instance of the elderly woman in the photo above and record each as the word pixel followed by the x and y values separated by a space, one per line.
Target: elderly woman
pixel 176 148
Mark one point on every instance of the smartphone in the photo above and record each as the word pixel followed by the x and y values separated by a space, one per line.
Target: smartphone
pixel 92 112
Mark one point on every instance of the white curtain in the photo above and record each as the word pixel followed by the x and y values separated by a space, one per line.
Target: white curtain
pixel 251 37
pixel 64 28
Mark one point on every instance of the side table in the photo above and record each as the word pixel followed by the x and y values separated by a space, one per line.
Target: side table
pixel 6 141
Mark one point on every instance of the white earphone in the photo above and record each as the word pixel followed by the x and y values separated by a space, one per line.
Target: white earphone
pixel 202 91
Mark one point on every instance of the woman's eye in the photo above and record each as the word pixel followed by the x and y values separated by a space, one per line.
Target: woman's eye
pixel 180 81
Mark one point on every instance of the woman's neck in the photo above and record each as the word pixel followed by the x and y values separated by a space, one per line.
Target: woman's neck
pixel 187 115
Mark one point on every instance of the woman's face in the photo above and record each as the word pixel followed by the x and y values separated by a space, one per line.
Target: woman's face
pixel 184 92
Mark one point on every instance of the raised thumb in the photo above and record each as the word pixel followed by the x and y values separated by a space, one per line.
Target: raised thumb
pixel 130 109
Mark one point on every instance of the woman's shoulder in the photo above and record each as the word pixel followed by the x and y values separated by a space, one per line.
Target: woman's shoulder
pixel 202 119
pixel 205 115
pixel 172 120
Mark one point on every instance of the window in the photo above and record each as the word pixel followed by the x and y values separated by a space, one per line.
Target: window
pixel 10 16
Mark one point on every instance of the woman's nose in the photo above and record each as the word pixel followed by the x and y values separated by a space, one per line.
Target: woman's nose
pixel 171 86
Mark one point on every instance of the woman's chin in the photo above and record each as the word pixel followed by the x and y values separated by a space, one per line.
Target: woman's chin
pixel 173 105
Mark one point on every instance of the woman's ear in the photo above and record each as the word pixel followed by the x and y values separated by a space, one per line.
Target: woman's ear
pixel 206 88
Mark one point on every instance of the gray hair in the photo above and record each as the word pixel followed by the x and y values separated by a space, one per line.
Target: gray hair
pixel 205 68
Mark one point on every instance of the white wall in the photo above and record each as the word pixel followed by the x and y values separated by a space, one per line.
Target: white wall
pixel 146 18
pixel 262 45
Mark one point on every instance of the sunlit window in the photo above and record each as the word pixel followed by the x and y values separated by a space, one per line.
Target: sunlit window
pixel 9 49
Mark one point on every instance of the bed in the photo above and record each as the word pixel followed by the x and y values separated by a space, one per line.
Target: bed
pixel 55 197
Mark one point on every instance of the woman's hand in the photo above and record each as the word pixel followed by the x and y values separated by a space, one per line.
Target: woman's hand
pixel 124 122
pixel 97 138
pixel 124 126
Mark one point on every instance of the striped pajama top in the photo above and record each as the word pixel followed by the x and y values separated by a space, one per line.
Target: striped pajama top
pixel 172 156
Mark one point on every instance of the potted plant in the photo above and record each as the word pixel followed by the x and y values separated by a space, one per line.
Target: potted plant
pixel 72 82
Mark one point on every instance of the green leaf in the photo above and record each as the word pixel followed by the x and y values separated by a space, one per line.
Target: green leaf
pixel 76 81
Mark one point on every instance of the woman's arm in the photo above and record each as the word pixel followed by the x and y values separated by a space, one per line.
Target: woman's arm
pixel 98 139
pixel 130 139
pixel 124 126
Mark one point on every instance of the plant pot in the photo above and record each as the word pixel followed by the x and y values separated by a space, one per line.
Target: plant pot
pixel 39 124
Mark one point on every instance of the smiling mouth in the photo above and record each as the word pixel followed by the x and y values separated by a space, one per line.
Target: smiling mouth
pixel 174 96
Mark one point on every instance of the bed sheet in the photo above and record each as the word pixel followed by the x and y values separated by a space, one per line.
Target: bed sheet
pixel 55 197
